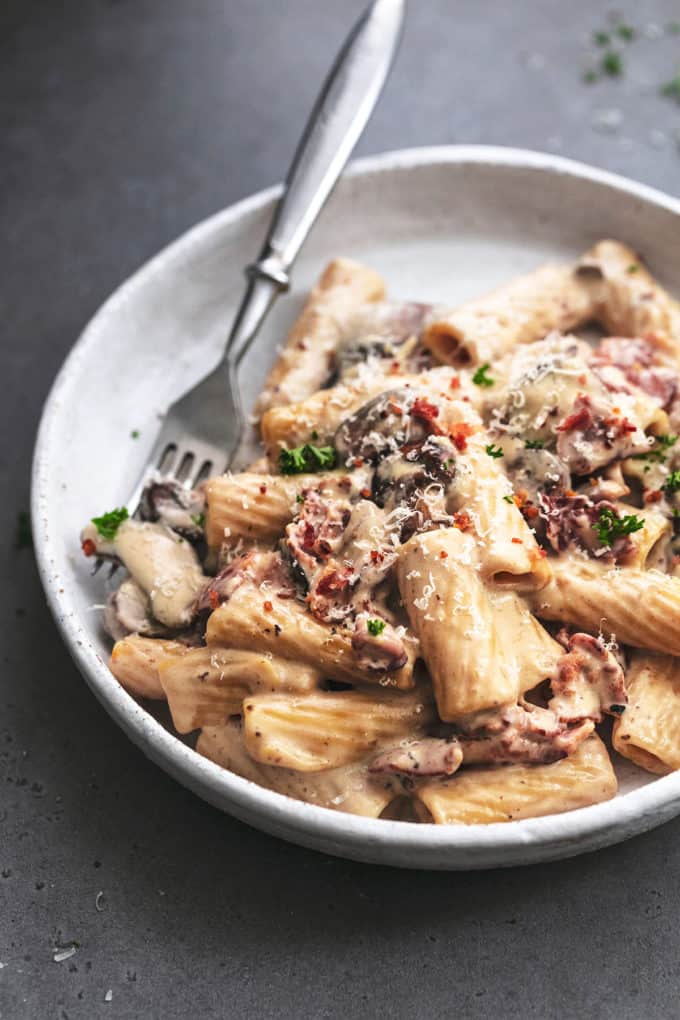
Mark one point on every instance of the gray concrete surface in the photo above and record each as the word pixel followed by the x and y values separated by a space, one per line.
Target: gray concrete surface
pixel 124 122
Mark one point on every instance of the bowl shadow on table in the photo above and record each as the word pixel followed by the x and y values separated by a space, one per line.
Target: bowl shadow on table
pixel 153 836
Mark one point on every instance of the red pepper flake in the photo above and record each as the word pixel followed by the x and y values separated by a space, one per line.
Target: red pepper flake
pixel 531 511
pixel 88 546
pixel 517 541
pixel 358 462
pixel 377 556
pixel 455 383
pixel 394 368
pixel 365 493
pixel 214 599
pixel 541 553
pixel 443 554
pixel 653 496
pixel 267 606
pixel 675 560
pixel 460 434
pixel 263 490
pixel 461 520
pixel 570 493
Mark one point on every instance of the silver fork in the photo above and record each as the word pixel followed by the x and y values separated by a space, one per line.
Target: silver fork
pixel 201 431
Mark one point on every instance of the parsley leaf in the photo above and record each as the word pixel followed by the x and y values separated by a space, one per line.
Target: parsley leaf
pixel 672 88
pixel 633 268
pixel 509 499
pixel 612 64
pixel 610 526
pixel 625 32
pixel 672 483
pixel 375 627
pixel 494 451
pixel 601 38
pixel 480 378
pixel 306 458
pixel 108 524
pixel 198 519
pixel 657 454
pixel 533 444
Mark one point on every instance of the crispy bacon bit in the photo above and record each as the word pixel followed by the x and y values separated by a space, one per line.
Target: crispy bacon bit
pixel 267 606
pixel 653 496
pixel 460 434
pixel 334 582
pixel 520 733
pixel 424 409
pixel 579 419
pixel 461 520
pixel 517 541
pixel 455 383
pixel 365 493
pixel 377 556
pixel 592 437
pixel 589 681
pixel 213 598
pixel 88 547
pixel 443 554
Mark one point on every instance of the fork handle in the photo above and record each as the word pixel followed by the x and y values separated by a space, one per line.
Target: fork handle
pixel 337 120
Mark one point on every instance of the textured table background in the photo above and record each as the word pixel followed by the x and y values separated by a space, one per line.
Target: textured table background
pixel 124 123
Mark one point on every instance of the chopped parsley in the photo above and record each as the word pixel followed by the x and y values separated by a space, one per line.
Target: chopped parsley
pixel 315 435
pixel 610 526
pixel 480 378
pixel 375 627
pixel 672 88
pixel 657 454
pixel 108 524
pixel 24 535
pixel 673 27
pixel 306 458
pixel 632 268
pixel 533 444
pixel 612 64
pixel 625 32
pixel 601 38
pixel 494 451
pixel 672 483
pixel 134 434
pixel 299 498
pixel 509 499
pixel 198 520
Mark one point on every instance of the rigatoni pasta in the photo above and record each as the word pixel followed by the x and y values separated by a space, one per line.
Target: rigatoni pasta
pixel 458 554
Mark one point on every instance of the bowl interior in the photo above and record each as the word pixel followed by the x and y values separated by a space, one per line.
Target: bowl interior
pixel 440 225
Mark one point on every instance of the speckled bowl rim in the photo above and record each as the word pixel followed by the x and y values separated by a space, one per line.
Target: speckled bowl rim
pixel 375 840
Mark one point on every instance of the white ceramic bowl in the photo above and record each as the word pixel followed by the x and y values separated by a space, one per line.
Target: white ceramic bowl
pixel 441 224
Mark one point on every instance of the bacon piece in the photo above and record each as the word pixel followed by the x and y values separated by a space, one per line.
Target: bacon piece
pixel 623 363
pixel 317 532
pixel 589 681
pixel 518 733
pixel 593 435
pixel 432 756
pixel 384 652
pixel 256 566
pixel 570 523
